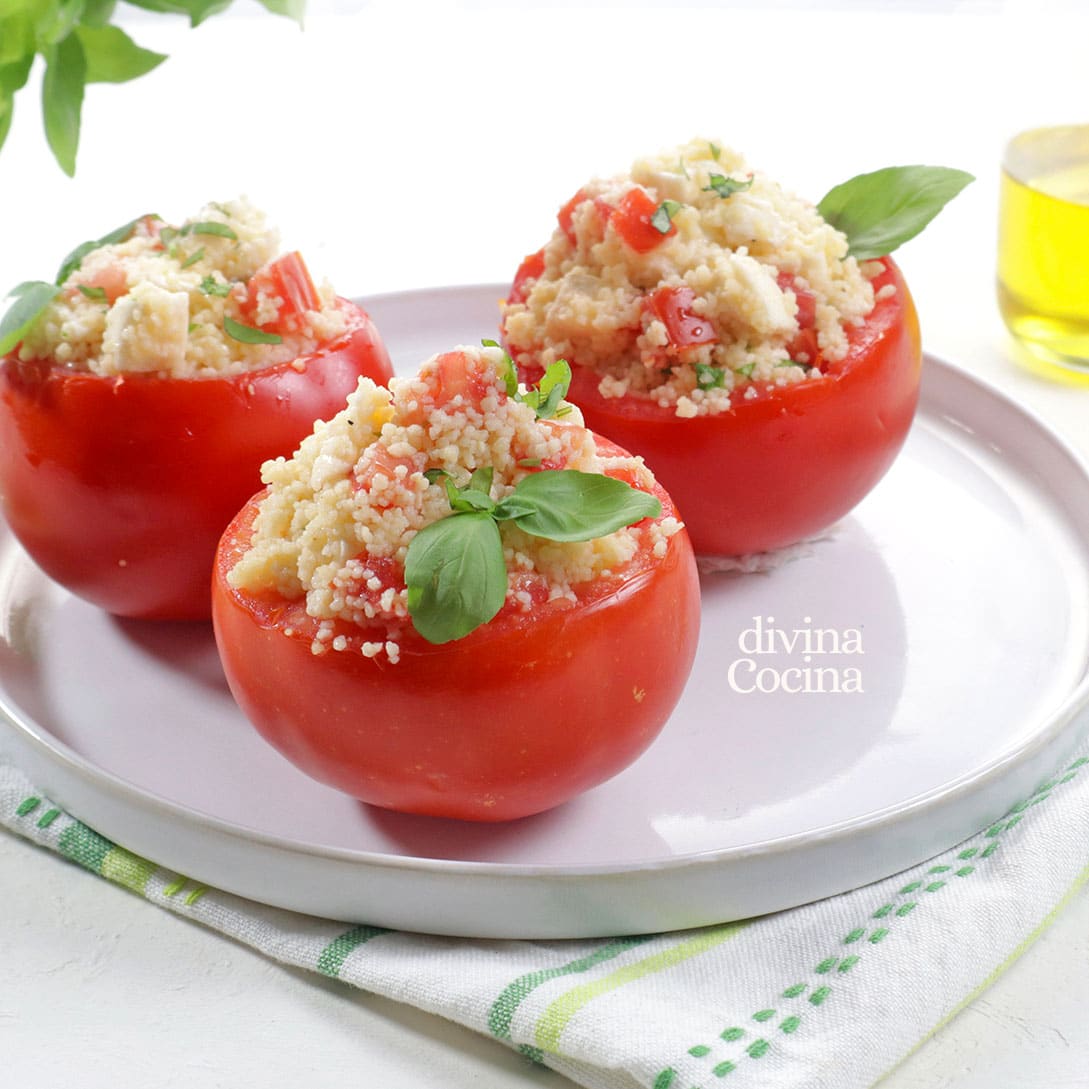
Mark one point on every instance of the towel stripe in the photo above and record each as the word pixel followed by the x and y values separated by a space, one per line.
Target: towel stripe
pixel 559 1014
pixel 506 1005
pixel 332 957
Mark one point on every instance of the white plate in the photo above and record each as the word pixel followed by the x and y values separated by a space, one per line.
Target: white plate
pixel 966 574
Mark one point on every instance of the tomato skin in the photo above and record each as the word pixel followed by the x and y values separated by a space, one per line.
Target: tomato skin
pixel 120 487
pixel 673 307
pixel 530 269
pixel 789 462
pixel 515 718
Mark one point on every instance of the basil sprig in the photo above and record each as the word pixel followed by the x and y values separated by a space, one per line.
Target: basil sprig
pixel 454 570
pixel 79 46
pixel 546 399
pixel 884 209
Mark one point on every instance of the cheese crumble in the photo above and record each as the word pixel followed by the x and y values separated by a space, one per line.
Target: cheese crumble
pixel 336 523
pixel 689 278
pixel 159 301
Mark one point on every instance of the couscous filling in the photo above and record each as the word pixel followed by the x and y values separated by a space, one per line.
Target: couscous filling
pixel 208 297
pixel 688 280
pixel 339 517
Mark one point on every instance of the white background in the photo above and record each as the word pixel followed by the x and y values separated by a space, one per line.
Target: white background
pixel 406 145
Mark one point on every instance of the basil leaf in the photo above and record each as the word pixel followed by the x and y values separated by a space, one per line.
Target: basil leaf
pixel 708 377
pixel 884 209
pixel 113 57
pixel 455 575
pixel 468 499
pixel 118 234
pixel 62 100
pixel 716 151
pixel 293 9
pixel 193 258
pixel 246 334
pixel 552 389
pixel 662 219
pixel 98 12
pixel 726 187
pixel 31 298
pixel 575 506
pixel 221 230
pixel 746 370
pixel 481 480
pixel 98 293
pixel 433 476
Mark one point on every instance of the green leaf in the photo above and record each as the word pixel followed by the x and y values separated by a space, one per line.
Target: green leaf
pixel 573 506
pixel 97 12
pixel 662 219
pixel 293 9
pixel 211 286
pixel 726 187
pixel 197 10
pixel 716 151
pixel 247 334
pixel 55 21
pixel 506 371
pixel 62 100
pixel 552 389
pixel 884 209
pixel 118 234
pixel 708 377
pixel 113 57
pixel 468 498
pixel 192 259
pixel 96 293
pixel 455 575
pixel 31 298
pixel 220 230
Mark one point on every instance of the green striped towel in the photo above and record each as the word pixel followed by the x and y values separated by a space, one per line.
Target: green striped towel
pixel 827 996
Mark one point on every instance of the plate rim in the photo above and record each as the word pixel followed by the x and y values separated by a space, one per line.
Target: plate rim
pixel 1051 727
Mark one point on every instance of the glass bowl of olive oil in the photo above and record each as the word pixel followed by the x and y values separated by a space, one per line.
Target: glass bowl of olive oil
pixel 1043 248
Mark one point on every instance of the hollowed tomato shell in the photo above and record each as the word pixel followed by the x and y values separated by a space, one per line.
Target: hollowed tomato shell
pixel 516 717
pixel 119 488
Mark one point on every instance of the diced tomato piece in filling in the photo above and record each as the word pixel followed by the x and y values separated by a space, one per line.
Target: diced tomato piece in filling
pixel 804 348
pixel 111 279
pixel 673 307
pixel 530 269
pixel 287 279
pixel 380 461
pixel 632 221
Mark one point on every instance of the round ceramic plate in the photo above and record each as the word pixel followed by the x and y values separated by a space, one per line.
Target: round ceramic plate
pixel 868 702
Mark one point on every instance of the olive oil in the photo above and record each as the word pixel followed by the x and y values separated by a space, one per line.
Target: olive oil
pixel 1043 249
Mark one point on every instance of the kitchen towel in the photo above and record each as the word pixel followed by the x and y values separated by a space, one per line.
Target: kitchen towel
pixel 831 995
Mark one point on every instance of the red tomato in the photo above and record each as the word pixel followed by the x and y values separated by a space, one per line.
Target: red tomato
pixel 119 487
pixel 804 348
pixel 631 219
pixel 288 279
pixel 445 730
pixel 530 269
pixel 790 461
pixel 673 307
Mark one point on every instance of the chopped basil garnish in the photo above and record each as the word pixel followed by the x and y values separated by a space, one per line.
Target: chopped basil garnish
pixel 454 570
pixel 98 293
pixel 220 230
pixel 530 463
pixel 708 377
pixel 247 334
pixel 211 286
pixel 31 298
pixel 746 369
pixel 192 259
pixel 726 187
pixel 120 234
pixel 716 151
pixel 662 219
pixel 882 210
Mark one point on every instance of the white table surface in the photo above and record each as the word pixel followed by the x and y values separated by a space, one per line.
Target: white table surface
pixel 406 145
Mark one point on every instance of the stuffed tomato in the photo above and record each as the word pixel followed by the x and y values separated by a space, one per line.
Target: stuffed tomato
pixel 720 327
pixel 455 600
pixel 158 373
